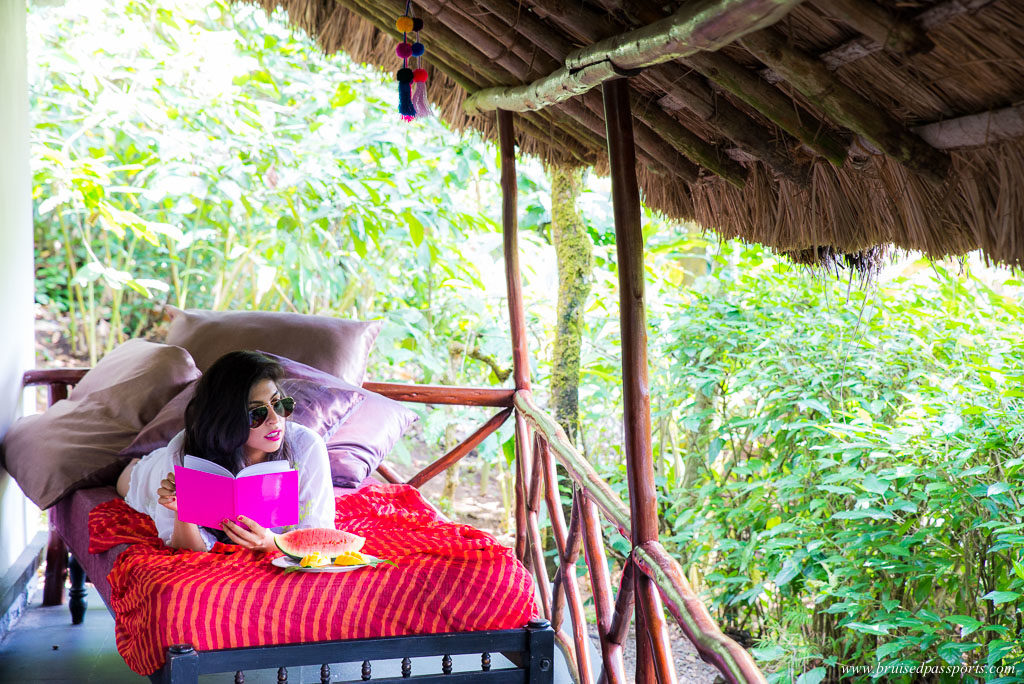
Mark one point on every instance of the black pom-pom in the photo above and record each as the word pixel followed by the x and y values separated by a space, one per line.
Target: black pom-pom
pixel 417 24
pixel 404 75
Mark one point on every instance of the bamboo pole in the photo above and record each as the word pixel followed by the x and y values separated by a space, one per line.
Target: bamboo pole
pixel 846 106
pixel 637 401
pixel 692 28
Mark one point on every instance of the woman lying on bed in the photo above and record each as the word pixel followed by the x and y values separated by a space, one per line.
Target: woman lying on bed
pixel 235 419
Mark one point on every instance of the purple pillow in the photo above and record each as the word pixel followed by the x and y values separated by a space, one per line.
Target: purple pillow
pixel 320 408
pixel 361 443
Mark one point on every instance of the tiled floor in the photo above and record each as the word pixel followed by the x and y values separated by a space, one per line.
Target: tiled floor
pixel 45 647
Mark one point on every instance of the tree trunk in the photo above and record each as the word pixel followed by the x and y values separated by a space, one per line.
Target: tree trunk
pixel 573 251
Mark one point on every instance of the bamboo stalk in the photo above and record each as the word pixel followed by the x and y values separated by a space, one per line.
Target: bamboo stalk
pixel 684 605
pixel 879 24
pixel 537 62
pixel 746 133
pixel 846 106
pixel 687 90
pixel 618 629
pixel 523 455
pixel 690 29
pixel 460 451
pixel 748 87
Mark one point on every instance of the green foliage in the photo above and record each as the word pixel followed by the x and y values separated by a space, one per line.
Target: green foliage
pixel 852 479
pixel 207 157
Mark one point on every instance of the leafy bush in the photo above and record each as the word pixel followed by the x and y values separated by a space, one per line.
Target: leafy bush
pixel 852 484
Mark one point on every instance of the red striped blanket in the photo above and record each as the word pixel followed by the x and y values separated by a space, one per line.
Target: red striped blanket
pixel 447 578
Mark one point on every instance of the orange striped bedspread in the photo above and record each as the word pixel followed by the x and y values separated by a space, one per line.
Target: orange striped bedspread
pixel 447 577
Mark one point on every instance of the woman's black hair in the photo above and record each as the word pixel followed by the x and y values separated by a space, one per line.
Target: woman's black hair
pixel 217 417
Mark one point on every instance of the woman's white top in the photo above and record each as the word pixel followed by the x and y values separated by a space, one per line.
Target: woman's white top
pixel 316 492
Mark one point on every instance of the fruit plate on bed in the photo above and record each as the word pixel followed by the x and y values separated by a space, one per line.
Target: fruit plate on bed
pixel 292 565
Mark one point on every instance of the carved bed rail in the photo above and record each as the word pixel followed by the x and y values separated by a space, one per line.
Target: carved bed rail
pixel 591 496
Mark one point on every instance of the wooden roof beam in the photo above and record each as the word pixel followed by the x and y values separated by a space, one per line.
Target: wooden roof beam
pixel 753 141
pixel 846 106
pixel 705 25
pixel 893 33
pixel 747 86
pixel 687 143
pixel 862 46
pixel 975 129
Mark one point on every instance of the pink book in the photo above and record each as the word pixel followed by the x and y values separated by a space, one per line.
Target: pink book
pixel 265 492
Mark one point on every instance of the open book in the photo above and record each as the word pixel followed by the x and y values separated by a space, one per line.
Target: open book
pixel 265 492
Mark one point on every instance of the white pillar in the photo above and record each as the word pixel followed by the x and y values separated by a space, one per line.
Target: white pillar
pixel 18 517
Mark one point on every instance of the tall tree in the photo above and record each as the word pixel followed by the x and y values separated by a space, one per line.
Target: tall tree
pixel 573 251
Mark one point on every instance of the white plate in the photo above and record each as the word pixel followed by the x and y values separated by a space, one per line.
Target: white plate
pixel 286 562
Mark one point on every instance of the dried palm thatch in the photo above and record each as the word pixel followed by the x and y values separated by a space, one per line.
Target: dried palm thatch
pixel 808 136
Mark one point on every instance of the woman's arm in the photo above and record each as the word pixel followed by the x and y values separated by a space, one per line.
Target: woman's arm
pixel 316 491
pixel 186 536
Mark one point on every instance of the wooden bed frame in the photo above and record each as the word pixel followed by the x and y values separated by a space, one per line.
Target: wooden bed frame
pixel 530 649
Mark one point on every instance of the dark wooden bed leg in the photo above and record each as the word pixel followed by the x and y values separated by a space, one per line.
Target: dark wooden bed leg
pixel 76 595
pixel 182 666
pixel 56 570
pixel 541 642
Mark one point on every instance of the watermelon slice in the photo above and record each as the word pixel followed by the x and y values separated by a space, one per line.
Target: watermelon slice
pixel 327 542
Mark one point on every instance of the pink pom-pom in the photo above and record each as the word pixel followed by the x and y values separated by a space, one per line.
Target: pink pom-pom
pixel 403 50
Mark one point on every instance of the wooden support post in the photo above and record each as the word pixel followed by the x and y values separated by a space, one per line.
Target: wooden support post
pixel 637 400
pixel 516 315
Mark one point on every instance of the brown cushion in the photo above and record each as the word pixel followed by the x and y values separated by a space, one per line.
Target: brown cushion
pixel 76 442
pixel 334 345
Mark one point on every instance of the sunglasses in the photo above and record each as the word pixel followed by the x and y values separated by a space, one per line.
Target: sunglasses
pixel 282 407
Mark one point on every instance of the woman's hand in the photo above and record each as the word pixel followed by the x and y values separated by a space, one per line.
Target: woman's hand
pixel 167 493
pixel 249 534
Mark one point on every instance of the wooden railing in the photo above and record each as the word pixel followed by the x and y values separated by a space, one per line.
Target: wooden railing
pixel 592 496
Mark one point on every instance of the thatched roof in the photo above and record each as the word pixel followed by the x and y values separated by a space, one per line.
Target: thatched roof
pixel 828 127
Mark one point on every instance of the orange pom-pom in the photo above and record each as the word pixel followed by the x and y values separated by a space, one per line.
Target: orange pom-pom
pixel 404 24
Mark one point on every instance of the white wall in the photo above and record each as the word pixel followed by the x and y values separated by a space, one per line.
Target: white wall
pixel 18 517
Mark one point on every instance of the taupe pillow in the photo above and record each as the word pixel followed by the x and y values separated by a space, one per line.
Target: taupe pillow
pixel 76 442
pixel 334 345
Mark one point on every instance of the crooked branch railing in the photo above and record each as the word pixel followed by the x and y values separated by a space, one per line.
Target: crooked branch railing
pixel 592 496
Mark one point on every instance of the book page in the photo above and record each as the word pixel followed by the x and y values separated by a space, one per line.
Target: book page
pixel 265 467
pixel 204 466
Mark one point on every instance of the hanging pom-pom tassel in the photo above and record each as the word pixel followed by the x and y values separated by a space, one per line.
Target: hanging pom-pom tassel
pixel 405 106
pixel 419 94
